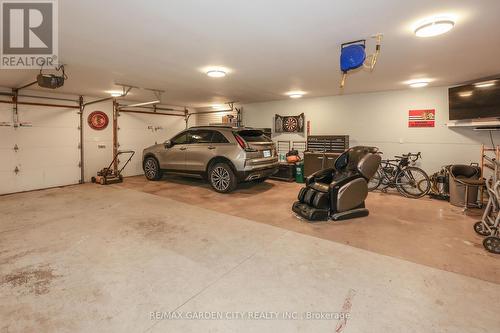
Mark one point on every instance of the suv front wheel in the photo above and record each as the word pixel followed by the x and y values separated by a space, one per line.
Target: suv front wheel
pixel 152 169
pixel 222 178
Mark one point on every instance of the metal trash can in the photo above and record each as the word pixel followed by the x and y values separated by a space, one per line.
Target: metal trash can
pixel 459 176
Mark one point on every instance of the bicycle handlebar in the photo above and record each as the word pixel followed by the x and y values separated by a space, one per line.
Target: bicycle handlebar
pixel 411 156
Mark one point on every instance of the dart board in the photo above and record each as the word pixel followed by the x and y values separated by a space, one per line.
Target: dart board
pixel 289 124
pixel 98 120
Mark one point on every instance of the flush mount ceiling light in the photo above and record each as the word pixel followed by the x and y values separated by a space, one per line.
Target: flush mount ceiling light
pixel 434 26
pixel 418 83
pixel 295 94
pixel 216 73
pixel 465 94
pixel 115 93
pixel 485 84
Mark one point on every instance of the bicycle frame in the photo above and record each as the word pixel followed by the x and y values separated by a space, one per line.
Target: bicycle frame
pixel 392 176
pixel 397 173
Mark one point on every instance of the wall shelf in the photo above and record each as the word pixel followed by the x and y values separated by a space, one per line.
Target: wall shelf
pixel 474 123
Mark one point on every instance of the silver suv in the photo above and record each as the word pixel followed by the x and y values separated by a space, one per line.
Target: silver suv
pixel 223 155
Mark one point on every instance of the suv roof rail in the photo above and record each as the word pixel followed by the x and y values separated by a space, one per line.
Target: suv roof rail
pixel 219 126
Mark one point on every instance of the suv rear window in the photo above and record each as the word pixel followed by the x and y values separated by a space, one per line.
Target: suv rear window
pixel 253 136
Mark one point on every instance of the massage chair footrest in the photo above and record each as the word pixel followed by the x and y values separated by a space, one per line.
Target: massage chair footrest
pixel 350 214
pixel 310 213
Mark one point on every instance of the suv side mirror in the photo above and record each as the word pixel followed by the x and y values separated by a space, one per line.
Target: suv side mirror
pixel 168 144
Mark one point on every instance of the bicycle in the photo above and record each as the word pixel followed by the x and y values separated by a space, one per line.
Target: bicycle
pixel 408 180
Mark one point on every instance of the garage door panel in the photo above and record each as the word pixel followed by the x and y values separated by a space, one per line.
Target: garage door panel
pixel 8 160
pixel 49 116
pixel 38 137
pixel 49 157
pixel 29 179
pixel 9 182
pixel 8 156
pixel 8 136
pixel 5 112
pixel 135 165
pixel 138 131
pixel 131 136
pixel 48 153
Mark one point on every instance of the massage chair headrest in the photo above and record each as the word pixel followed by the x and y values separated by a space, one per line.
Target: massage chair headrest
pixel 362 159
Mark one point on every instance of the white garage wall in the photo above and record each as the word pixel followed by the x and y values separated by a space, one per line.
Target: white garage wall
pixel 381 119
pixel 98 145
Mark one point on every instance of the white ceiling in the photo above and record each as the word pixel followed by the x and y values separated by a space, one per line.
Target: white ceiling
pixel 271 47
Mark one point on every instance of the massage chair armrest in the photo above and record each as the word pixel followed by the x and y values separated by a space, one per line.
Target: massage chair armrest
pixel 343 178
pixel 323 176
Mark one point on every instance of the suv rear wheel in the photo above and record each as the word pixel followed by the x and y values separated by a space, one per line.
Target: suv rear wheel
pixel 222 178
pixel 152 169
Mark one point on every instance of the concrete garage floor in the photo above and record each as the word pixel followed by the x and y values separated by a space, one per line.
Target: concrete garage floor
pixel 423 231
pixel 94 258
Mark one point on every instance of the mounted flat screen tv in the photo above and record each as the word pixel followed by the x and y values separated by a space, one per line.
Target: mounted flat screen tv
pixel 476 100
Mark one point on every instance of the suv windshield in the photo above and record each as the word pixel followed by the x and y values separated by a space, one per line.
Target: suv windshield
pixel 253 136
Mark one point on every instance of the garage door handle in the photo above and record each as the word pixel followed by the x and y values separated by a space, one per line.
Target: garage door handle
pixel 183 148
pixel 211 147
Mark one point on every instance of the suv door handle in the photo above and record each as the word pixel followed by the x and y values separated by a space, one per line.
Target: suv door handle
pixel 211 147
pixel 183 148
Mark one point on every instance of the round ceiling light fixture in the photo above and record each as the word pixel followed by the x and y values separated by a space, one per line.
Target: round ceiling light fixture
pixel 217 73
pixel 434 27
pixel 295 94
pixel 418 83
pixel 115 93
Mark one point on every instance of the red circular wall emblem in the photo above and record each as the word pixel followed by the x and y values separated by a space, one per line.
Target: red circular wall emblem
pixel 98 120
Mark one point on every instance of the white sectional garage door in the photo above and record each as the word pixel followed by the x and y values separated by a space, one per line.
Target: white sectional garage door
pixel 138 131
pixel 47 153
pixel 205 119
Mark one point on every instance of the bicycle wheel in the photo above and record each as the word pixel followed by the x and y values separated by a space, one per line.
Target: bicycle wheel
pixel 375 181
pixel 413 182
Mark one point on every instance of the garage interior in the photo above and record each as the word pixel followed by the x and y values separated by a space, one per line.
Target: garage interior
pixel 351 183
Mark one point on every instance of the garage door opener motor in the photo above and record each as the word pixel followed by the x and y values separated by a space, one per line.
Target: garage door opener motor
pixel 108 175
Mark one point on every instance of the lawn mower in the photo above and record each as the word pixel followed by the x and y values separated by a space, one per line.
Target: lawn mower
pixel 107 175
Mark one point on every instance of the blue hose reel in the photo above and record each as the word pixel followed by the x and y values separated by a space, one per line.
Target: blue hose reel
pixel 353 56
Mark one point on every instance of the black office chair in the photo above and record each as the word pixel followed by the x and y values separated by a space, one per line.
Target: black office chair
pixel 339 193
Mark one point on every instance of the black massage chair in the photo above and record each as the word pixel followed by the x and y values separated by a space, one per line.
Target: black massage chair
pixel 339 193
